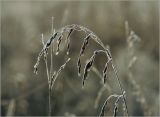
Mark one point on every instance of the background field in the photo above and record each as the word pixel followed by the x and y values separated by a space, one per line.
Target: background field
pixel 24 93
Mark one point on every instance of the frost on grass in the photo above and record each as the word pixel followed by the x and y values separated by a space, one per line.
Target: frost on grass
pixel 57 36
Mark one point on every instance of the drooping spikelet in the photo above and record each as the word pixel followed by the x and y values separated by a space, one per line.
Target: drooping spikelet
pixel 85 43
pixel 58 44
pixel 49 42
pixel 105 70
pixel 106 102
pixel 115 111
pixel 44 51
pixel 116 105
pixel 68 40
pixel 88 66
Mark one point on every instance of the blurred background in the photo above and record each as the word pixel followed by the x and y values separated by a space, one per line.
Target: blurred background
pixel 25 94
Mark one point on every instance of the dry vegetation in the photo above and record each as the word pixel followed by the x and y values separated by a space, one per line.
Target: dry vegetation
pixel 58 36
pixel 104 64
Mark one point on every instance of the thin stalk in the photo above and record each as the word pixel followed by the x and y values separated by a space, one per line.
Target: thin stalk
pixel 52 32
pixel 49 88
pixel 48 76
pixel 51 66
pixel 120 86
pixel 45 59
pixel 49 102
pixel 47 70
pixel 117 78
pixel 51 69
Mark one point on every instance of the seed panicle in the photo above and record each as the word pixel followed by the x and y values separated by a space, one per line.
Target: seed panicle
pixel 57 35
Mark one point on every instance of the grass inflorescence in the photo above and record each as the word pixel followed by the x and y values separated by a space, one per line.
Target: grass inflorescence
pixel 56 38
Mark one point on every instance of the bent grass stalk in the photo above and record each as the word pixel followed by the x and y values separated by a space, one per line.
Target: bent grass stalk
pixel 57 36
